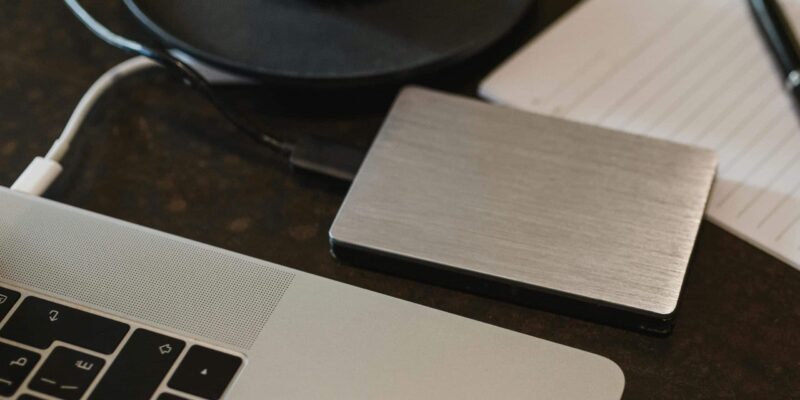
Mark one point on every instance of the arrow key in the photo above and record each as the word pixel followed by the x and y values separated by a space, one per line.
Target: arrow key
pixel 205 373
pixel 140 367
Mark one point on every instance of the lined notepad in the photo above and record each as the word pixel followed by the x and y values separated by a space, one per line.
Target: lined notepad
pixel 691 71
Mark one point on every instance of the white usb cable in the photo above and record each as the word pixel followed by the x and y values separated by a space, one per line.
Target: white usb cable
pixel 42 171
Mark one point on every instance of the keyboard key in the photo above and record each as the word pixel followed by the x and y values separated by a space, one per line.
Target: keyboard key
pixel 38 323
pixel 140 367
pixel 66 374
pixel 170 396
pixel 7 299
pixel 15 365
pixel 205 373
pixel 29 397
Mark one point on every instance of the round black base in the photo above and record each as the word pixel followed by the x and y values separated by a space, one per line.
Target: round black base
pixel 318 42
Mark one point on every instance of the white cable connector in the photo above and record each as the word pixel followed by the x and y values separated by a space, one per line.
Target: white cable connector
pixel 42 171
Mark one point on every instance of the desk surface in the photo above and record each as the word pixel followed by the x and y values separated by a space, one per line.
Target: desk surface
pixel 156 154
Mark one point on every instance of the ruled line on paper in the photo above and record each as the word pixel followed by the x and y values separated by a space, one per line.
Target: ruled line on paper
pixel 637 113
pixel 756 168
pixel 760 108
pixel 668 25
pixel 722 87
pixel 697 84
pixel 764 190
pixel 786 230
pixel 589 63
pixel 726 113
pixel 725 165
pixel 771 126
pixel 672 57
pixel 702 76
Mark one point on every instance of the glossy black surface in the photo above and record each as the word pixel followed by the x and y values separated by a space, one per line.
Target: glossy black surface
pixel 156 154
pixel 15 365
pixel 204 372
pixel 329 42
pixel 39 322
pixel 139 367
pixel 66 374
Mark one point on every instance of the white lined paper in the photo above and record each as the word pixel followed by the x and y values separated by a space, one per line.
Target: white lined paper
pixel 691 71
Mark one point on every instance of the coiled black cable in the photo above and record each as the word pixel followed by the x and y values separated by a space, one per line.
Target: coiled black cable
pixel 189 75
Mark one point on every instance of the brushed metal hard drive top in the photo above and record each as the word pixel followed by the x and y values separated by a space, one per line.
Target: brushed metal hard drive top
pixel 569 208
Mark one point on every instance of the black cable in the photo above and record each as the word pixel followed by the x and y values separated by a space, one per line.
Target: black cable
pixel 187 73
pixel 316 155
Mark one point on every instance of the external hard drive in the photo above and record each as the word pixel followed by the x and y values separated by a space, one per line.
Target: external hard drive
pixel 555 214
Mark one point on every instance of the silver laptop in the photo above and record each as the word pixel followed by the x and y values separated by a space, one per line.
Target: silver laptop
pixel 96 308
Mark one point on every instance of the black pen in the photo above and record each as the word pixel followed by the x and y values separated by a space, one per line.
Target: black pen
pixel 781 40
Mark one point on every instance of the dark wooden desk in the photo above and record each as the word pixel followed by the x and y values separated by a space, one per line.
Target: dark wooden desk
pixel 157 154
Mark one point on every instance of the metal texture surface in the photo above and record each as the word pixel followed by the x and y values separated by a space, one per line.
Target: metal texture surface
pixel 306 337
pixel 155 154
pixel 137 272
pixel 565 207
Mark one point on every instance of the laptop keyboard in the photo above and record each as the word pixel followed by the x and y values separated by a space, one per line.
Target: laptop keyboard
pixel 49 350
